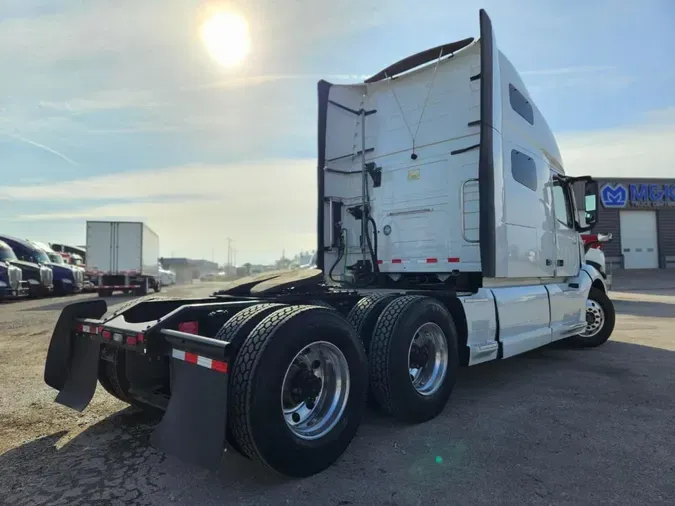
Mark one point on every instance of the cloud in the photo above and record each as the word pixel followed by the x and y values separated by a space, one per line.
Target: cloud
pixel 569 70
pixel 644 149
pixel 592 77
pixel 237 82
pixel 103 100
pixel 228 181
pixel 264 206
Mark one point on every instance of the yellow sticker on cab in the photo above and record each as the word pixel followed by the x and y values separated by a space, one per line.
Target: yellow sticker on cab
pixel 413 174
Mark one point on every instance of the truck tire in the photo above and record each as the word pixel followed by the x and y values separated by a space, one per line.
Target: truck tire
pixel 282 415
pixel 600 320
pixel 411 381
pixel 236 330
pixel 363 316
pixel 157 286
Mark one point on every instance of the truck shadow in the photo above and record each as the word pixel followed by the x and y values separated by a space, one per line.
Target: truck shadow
pixel 497 403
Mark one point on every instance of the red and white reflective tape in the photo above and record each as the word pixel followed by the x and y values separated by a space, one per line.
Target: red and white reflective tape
pixel 118 287
pixel 452 260
pixel 193 358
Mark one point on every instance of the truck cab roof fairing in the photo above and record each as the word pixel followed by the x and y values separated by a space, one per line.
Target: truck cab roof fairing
pixel 486 166
pixel 420 58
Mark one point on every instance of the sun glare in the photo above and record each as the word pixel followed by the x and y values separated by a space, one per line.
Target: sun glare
pixel 225 35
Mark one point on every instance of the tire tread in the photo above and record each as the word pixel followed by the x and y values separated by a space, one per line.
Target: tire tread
pixel 379 350
pixel 243 375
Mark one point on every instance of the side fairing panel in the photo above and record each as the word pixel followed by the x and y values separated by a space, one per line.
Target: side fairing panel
pixel 524 322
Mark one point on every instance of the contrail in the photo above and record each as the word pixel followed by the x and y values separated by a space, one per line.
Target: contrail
pixel 43 147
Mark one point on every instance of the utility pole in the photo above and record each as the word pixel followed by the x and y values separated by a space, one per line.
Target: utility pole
pixel 229 252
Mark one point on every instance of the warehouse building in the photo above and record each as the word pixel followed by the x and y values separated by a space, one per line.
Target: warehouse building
pixel 640 215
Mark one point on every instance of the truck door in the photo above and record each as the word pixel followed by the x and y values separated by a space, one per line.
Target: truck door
pixel 568 301
pixel 568 259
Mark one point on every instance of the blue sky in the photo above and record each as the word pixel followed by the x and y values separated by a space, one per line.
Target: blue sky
pixel 115 110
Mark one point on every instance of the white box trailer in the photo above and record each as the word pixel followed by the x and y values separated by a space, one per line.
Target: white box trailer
pixel 125 255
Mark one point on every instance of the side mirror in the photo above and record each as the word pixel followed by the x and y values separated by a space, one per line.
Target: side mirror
pixel 585 190
pixel 591 203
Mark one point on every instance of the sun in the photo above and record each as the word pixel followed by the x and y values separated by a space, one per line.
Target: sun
pixel 226 38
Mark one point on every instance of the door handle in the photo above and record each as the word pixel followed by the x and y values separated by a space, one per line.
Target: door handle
pixel 561 263
pixel 549 261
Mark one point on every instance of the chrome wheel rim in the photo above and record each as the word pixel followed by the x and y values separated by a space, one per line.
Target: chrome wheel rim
pixel 595 318
pixel 315 390
pixel 428 359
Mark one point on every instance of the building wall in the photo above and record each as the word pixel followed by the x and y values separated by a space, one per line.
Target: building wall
pixel 609 216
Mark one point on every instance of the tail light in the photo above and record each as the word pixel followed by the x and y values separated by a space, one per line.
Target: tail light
pixel 189 327
pixel 135 339
pixel 120 338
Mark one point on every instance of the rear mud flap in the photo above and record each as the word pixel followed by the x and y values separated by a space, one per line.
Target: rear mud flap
pixel 70 362
pixel 82 375
pixel 193 427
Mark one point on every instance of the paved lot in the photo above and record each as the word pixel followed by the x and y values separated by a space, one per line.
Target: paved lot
pixel 556 426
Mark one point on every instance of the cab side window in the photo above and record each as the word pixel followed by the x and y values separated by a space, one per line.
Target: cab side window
pixel 521 105
pixel 562 206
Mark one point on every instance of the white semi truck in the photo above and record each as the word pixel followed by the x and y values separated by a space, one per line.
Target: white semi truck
pixel 448 235
pixel 124 257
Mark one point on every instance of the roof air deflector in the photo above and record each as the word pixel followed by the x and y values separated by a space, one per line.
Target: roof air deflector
pixel 418 59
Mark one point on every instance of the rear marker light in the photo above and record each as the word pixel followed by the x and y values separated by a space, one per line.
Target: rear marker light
pixel 219 366
pixel 140 338
pixel 432 260
pixel 131 340
pixel 105 334
pixel 396 261
pixel 453 260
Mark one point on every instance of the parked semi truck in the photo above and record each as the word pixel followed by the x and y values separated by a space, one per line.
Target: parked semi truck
pixel 448 235
pixel 123 256
pixel 34 264
pixel 68 279
pixel 11 276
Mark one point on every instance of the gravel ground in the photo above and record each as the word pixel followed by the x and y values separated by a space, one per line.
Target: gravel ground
pixel 555 426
